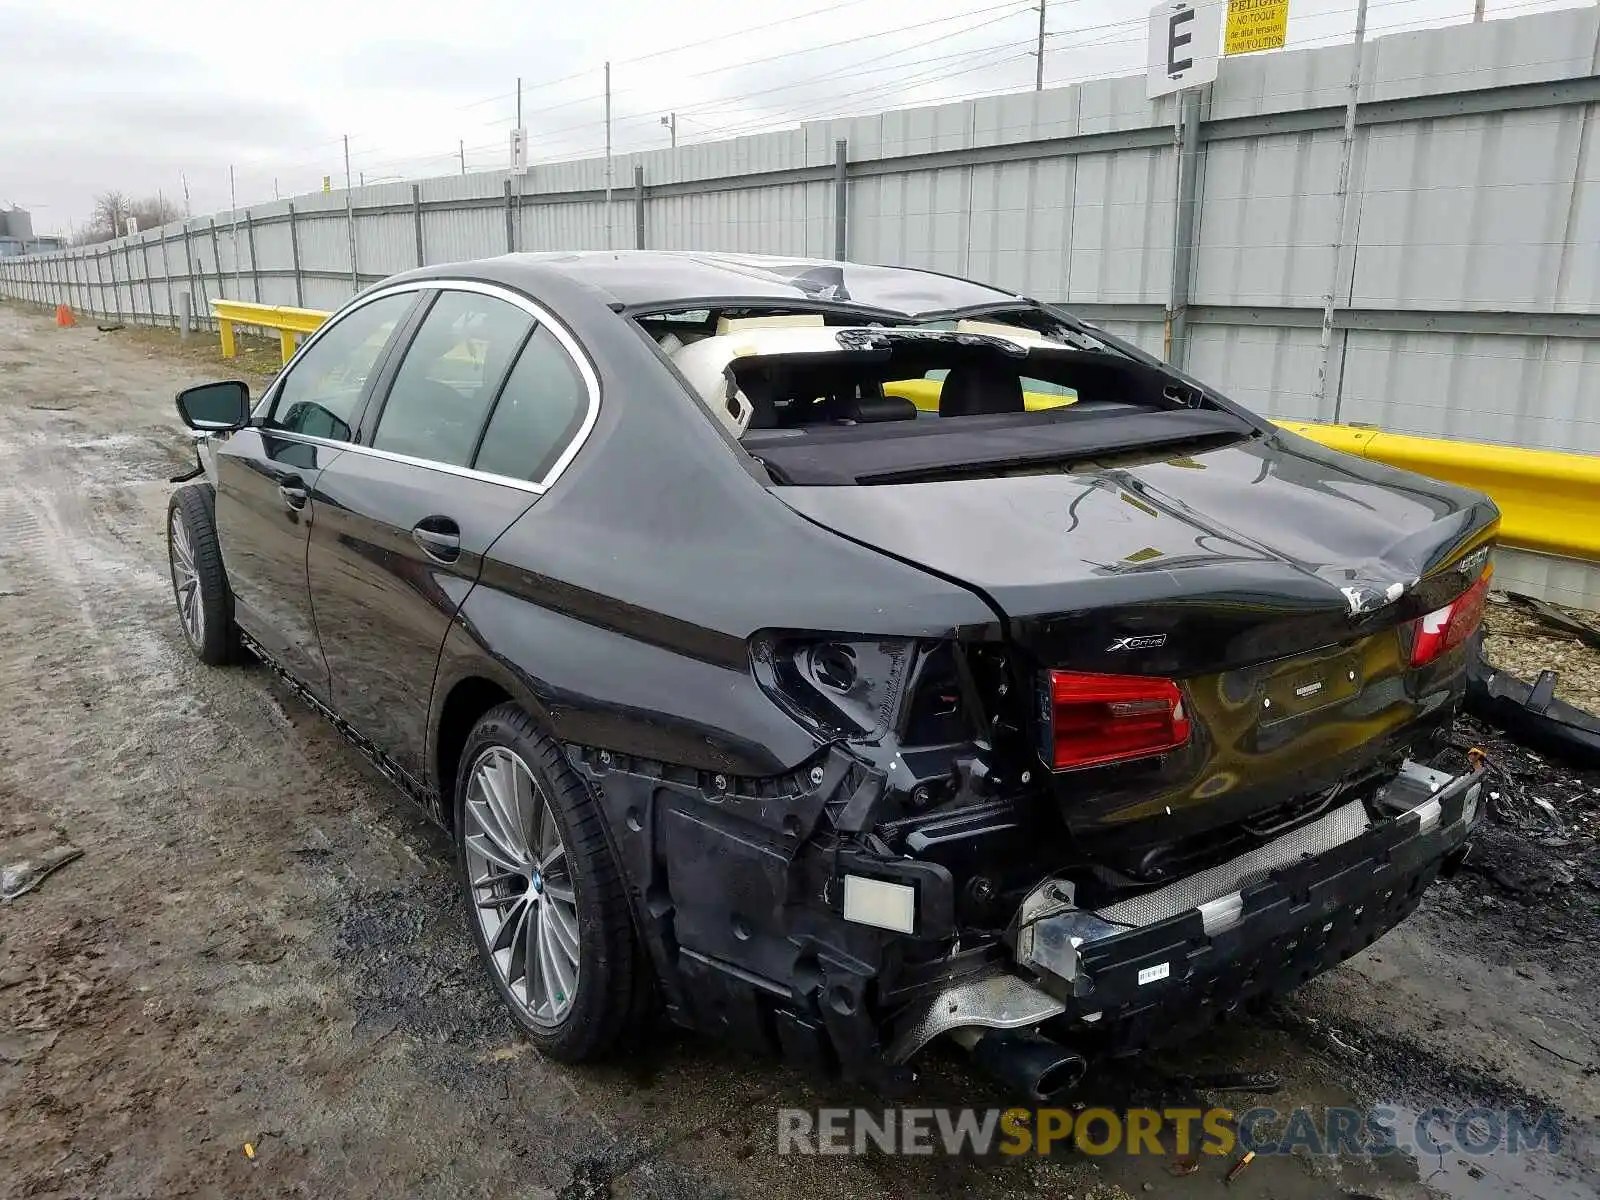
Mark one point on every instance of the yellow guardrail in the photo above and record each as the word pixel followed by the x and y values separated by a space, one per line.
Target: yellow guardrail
pixel 924 393
pixel 287 321
pixel 1549 500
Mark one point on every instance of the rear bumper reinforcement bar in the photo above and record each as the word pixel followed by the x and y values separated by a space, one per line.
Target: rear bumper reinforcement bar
pixel 1150 969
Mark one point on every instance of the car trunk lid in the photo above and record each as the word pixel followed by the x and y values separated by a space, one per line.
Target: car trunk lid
pixel 1268 577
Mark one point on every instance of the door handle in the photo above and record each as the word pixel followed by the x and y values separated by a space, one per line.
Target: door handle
pixel 439 537
pixel 293 490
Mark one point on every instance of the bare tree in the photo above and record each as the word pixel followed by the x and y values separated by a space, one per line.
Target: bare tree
pixel 153 211
pixel 112 210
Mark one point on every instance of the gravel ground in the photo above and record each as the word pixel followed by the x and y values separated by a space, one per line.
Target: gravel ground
pixel 261 943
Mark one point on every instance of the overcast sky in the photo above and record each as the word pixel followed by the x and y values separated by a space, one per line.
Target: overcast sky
pixel 138 94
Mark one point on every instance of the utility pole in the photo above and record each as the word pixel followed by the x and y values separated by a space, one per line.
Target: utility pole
pixel 1175 347
pixel 671 122
pixel 608 155
pixel 187 211
pixel 275 195
pixel 1477 11
pixel 1038 76
pixel 462 150
pixel 517 168
pixel 233 214
pixel 350 219
pixel 1347 149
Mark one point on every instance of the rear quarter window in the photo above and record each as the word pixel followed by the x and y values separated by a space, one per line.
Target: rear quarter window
pixel 540 411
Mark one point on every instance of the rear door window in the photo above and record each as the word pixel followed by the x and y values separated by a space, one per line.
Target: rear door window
pixel 541 409
pixel 450 376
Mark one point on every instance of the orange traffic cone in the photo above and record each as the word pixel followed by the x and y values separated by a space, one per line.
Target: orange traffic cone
pixel 64 316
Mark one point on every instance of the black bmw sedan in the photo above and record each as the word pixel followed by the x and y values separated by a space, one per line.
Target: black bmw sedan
pixel 841 657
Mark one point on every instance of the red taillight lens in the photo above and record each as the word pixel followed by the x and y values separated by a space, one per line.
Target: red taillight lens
pixel 1446 628
pixel 1095 719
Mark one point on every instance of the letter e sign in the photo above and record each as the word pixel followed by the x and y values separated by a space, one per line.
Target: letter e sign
pixel 1185 43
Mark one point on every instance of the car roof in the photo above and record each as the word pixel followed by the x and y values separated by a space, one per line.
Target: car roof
pixel 653 278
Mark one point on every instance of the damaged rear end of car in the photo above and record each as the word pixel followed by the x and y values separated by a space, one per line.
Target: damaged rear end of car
pixel 1183 760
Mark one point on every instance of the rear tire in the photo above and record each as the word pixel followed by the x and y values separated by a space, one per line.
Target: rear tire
pixel 542 887
pixel 199 583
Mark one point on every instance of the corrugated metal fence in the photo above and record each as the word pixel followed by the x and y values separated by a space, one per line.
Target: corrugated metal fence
pixel 1466 273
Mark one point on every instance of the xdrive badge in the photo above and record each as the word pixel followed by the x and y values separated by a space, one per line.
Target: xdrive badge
pixel 1143 641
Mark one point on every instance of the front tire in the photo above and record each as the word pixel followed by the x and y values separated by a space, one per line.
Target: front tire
pixel 545 900
pixel 199 583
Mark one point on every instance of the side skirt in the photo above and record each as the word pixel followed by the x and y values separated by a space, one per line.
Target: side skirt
pixel 415 790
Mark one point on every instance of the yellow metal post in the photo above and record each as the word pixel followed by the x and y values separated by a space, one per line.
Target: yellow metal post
pixel 228 348
pixel 286 343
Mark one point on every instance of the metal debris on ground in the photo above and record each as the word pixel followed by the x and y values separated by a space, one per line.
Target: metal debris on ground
pixel 1528 791
pixel 1534 870
pixel 1557 618
pixel 19 878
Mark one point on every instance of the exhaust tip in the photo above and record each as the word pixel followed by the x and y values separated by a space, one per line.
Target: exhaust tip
pixel 1028 1063
pixel 1059 1079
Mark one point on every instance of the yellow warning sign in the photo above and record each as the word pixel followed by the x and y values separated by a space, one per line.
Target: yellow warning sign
pixel 1256 25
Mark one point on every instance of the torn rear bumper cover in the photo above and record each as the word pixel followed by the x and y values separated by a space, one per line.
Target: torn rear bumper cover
pixel 1530 713
pixel 1154 968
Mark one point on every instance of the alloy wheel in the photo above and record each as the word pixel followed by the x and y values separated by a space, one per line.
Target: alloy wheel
pixel 186 581
pixel 521 885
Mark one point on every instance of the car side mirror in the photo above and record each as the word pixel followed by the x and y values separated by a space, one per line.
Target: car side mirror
pixel 213 407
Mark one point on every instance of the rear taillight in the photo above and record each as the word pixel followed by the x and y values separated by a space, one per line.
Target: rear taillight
pixel 1094 719
pixel 1446 628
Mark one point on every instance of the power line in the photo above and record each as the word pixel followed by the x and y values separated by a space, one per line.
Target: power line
pixel 584 74
pixel 919 77
pixel 722 103
pixel 834 104
pixel 833 107
pixel 790 20
pixel 1017 7
pixel 1056 7
pixel 713 105
pixel 825 108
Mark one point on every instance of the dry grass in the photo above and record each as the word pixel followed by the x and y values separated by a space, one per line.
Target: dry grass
pixel 257 362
